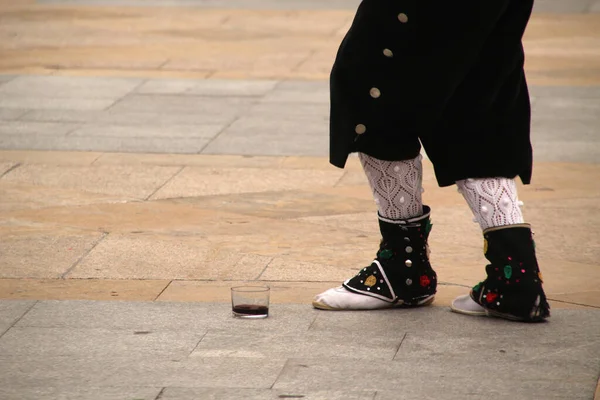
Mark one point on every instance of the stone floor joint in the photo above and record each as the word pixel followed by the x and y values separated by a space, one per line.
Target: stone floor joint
pixel 233 120
pixel 160 394
pixel 574 303
pixel 165 183
pixel 265 268
pixel 17 165
pixel 163 290
pixel 280 373
pixel 399 345
pixel 78 261
pixel 18 319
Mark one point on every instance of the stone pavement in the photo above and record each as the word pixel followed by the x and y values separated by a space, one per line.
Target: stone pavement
pixel 159 152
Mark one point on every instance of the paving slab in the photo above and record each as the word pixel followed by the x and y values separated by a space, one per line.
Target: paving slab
pixel 141 182
pixel 53 87
pixel 299 92
pixel 15 197
pixel 209 87
pixel 164 316
pixel 539 91
pixel 193 182
pixel 287 204
pixel 122 371
pixel 80 393
pixel 251 354
pixel 155 257
pixel 268 145
pixel 9 114
pixel 158 118
pixel 173 132
pixel 566 151
pixel 548 130
pixel 103 143
pixel 263 4
pixel 184 104
pixel 315 111
pixel 260 394
pixel 82 289
pixel 24 249
pixel 36 103
pixel 567 107
pixel 318 346
pixel 562 7
pixel 415 379
pixel 545 6
pixel 44 157
pixel 30 343
pixel 27 128
pixel 6 78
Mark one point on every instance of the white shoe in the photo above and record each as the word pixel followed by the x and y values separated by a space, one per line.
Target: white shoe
pixel 340 298
pixel 466 305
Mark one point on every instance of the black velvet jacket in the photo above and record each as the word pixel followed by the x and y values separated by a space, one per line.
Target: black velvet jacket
pixel 448 75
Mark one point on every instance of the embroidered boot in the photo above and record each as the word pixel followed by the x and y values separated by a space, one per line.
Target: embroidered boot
pixel 513 287
pixel 401 275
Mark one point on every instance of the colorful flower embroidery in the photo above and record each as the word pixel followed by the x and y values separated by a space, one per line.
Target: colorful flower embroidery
pixel 490 297
pixel 507 271
pixel 386 254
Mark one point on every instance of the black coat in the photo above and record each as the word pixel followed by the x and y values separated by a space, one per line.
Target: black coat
pixel 446 74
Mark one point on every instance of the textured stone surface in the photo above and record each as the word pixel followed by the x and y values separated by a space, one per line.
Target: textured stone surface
pixel 101 143
pixel 155 257
pixel 81 289
pixel 164 316
pixel 213 87
pixel 304 346
pixel 25 249
pixel 193 182
pixel 8 114
pixel 126 181
pixel 79 393
pixel 172 132
pixel 560 6
pixel 198 349
pixel 47 343
pixel 67 87
pixel 261 394
pixel 10 101
pixel 36 128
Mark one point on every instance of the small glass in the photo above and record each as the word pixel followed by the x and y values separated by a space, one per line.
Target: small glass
pixel 250 301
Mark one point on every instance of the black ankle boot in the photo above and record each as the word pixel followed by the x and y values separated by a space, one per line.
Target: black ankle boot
pixel 401 273
pixel 513 288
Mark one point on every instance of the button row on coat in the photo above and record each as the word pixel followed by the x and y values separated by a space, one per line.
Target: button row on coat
pixel 375 92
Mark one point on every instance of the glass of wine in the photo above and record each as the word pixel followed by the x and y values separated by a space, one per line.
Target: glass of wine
pixel 250 301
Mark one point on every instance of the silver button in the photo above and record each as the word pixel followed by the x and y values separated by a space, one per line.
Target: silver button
pixel 408 282
pixel 375 93
pixel 360 129
pixel 388 53
pixel 403 18
pixel 409 249
pixel 408 263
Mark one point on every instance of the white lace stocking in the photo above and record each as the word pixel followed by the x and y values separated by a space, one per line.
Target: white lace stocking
pixel 493 201
pixel 396 186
